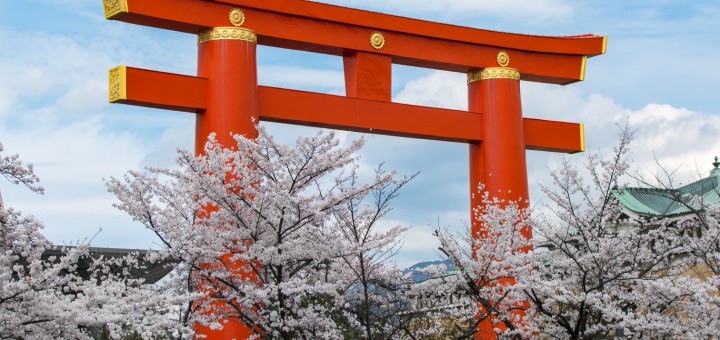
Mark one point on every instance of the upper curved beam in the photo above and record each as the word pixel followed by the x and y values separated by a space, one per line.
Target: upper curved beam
pixel 322 28
pixel 585 44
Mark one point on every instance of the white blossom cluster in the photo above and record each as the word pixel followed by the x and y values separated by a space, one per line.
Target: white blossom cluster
pixel 281 239
pixel 286 242
pixel 594 273
pixel 73 295
pixel 488 263
pixel 609 276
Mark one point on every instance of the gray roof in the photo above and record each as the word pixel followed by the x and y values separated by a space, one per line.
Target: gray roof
pixel 151 272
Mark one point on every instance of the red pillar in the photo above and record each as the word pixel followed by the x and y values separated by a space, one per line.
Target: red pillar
pixel 500 158
pixel 498 161
pixel 227 58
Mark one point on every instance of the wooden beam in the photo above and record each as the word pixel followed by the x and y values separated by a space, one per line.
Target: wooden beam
pixel 309 26
pixel 158 90
pixel 169 91
pixel 368 116
pixel 545 135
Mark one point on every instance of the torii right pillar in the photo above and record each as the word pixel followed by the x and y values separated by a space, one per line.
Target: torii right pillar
pixel 498 161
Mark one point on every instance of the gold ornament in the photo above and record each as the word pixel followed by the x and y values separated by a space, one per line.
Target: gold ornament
pixel 114 8
pixel 117 84
pixel 493 73
pixel 503 59
pixel 227 33
pixel 377 40
pixel 237 17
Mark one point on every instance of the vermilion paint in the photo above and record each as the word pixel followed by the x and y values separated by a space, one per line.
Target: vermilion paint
pixel 230 68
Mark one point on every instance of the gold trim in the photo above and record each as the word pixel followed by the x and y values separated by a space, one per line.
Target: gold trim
pixel 604 49
pixel 582 68
pixel 237 17
pixel 227 33
pixel 117 84
pixel 493 73
pixel 377 40
pixel 114 8
pixel 582 137
pixel 503 59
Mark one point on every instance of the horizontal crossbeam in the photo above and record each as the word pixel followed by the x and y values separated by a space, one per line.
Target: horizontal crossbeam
pixel 158 90
pixel 315 27
pixel 186 93
pixel 369 116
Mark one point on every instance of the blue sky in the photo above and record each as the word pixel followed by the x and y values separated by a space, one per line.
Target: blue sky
pixel 661 73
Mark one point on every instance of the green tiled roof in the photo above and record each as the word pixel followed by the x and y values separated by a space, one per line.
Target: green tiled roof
pixel 662 202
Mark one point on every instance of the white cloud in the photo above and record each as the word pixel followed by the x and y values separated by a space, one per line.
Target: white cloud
pixel 74 154
pixel 71 161
pixel 300 77
pixel 35 63
pixel 529 9
pixel 7 100
pixel 87 96
pixel 438 89
pixel 164 152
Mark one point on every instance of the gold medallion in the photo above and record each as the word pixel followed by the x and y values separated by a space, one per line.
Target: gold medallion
pixel 237 17
pixel 503 59
pixel 377 40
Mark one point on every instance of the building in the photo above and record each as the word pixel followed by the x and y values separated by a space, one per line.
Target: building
pixel 644 204
pixel 653 205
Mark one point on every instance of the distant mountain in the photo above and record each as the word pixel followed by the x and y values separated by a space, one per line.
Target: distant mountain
pixel 418 277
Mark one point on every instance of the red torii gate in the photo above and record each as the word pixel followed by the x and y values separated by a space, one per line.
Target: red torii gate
pixel 227 99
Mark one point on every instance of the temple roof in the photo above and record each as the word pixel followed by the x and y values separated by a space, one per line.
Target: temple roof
pixel 150 272
pixel 651 202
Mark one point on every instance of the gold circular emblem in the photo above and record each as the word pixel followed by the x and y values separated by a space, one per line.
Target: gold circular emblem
pixel 237 17
pixel 377 40
pixel 503 58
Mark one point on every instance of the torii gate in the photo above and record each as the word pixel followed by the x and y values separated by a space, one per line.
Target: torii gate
pixel 227 99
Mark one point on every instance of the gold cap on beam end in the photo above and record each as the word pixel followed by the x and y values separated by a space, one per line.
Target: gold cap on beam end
pixel 117 84
pixel 583 66
pixel 604 47
pixel 115 8
pixel 227 33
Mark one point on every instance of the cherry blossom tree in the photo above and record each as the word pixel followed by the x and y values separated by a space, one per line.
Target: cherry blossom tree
pixel 594 273
pixel 281 239
pixel 487 264
pixel 378 293
pixel 696 229
pixel 703 248
pixel 604 275
pixel 69 295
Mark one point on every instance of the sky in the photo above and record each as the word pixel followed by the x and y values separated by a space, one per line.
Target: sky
pixel 661 74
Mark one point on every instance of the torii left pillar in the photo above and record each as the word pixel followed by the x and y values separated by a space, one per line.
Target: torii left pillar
pixel 227 59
